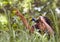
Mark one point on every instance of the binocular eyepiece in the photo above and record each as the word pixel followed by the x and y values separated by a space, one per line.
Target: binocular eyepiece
pixel 35 20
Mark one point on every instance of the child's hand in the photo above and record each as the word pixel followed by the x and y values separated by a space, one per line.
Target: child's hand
pixel 17 12
pixel 42 19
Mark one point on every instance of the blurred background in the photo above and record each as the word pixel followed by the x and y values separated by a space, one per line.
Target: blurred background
pixel 12 28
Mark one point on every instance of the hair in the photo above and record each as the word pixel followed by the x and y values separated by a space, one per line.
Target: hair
pixel 48 21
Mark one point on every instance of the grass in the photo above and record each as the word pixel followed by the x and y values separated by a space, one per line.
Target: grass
pixel 21 35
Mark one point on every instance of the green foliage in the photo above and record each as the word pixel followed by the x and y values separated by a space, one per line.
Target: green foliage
pixel 12 28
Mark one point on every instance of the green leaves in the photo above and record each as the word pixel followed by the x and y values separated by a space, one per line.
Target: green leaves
pixel 3 19
pixel 12 23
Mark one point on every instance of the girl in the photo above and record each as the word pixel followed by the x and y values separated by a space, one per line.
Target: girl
pixel 42 23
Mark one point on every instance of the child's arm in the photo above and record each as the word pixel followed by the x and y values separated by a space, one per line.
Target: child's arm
pixel 24 20
pixel 50 30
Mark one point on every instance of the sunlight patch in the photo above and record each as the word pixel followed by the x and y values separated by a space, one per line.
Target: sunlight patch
pixel 3 19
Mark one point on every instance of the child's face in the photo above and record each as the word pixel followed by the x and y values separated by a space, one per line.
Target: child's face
pixel 41 26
